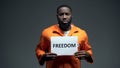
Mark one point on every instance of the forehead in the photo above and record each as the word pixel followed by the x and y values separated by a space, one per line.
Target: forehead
pixel 64 10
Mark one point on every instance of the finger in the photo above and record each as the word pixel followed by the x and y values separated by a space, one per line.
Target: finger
pixel 51 55
pixel 80 57
pixel 79 54
pixel 82 51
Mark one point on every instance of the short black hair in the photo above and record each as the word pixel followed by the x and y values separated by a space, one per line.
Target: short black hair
pixel 63 6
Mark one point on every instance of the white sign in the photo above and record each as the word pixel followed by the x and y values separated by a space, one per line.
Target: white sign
pixel 66 45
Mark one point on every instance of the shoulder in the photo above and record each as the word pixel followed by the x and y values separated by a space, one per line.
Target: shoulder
pixel 48 29
pixel 82 34
pixel 81 30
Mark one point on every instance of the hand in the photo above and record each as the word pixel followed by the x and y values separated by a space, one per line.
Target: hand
pixel 49 56
pixel 84 55
pixel 81 54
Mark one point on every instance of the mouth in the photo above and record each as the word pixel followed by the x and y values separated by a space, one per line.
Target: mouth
pixel 65 21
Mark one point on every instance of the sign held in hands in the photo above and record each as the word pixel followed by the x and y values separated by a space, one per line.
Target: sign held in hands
pixel 66 45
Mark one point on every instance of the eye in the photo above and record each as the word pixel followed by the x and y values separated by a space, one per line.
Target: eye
pixel 67 14
pixel 60 14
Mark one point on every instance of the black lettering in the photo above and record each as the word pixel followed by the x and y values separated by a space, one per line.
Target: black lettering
pixel 64 45
pixel 69 45
pixel 73 45
pixel 53 45
pixel 57 45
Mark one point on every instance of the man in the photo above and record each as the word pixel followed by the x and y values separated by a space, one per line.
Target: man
pixel 64 27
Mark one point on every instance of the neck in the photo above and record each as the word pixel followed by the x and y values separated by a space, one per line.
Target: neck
pixel 67 29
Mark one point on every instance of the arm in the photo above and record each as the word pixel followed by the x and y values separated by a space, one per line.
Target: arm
pixel 39 54
pixel 82 54
pixel 42 50
pixel 85 50
pixel 42 56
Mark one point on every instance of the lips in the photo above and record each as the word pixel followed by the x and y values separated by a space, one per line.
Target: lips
pixel 65 21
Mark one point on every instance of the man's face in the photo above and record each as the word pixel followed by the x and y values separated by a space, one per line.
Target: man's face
pixel 64 17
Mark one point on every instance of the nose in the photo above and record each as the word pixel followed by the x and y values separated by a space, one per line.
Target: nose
pixel 64 16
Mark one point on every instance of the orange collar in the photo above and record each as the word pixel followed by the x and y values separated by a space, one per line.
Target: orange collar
pixel 59 31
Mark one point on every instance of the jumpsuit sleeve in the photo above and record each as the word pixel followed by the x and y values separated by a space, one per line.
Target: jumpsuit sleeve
pixel 86 46
pixel 41 48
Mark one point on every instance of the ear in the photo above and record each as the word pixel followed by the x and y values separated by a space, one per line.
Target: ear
pixel 57 15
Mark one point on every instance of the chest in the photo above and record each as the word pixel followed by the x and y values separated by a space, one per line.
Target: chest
pixel 80 35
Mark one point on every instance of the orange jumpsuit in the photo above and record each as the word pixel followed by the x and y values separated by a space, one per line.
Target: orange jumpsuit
pixel 62 61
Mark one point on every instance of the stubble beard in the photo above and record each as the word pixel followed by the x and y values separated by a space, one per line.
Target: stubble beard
pixel 65 26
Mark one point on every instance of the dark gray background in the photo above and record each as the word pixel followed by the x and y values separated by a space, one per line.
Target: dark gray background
pixel 21 23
